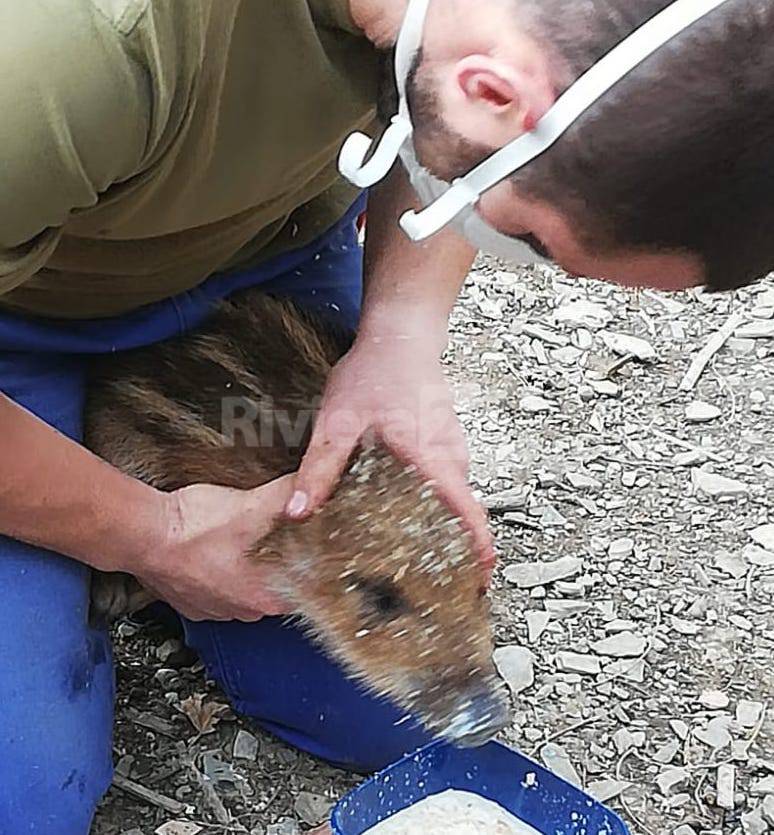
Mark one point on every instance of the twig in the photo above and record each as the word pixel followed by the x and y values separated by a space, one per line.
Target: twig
pixel 622 799
pixel 697 793
pixel 618 365
pixel 559 734
pixel 174 807
pixel 727 386
pixel 715 343
pixel 749 581
pixel 685 444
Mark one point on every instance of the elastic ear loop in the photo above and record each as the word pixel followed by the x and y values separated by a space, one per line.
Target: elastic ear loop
pixel 352 159
pixel 605 74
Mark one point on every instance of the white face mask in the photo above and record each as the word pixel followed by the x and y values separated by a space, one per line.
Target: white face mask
pixel 454 204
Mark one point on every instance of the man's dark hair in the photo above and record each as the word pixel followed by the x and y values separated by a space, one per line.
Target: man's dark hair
pixel 680 154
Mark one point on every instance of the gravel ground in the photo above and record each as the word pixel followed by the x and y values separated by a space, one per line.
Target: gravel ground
pixel 634 603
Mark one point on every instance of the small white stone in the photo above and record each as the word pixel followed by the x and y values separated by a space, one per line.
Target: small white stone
pixel 758 556
pixel 179 828
pixel 726 784
pixel 621 548
pixel 583 339
pixel 748 713
pixel 534 405
pixel 536 625
pixel 756 330
pixel 764 536
pixel 762 787
pixel 670 778
pixel 607 388
pixel 685 627
pixel 714 699
pixel 718 486
pixel 168 649
pixel 666 753
pixel 556 759
pixel 731 564
pixel 680 728
pixel 627 669
pixel 701 412
pixel 716 734
pixel 629 478
pixel 689 459
pixel 560 609
pixel 574 662
pixel 551 518
pixel 625 345
pixel 606 790
pixel 620 625
pixel 568 355
pixel 622 645
pixel 753 823
pixel 516 666
pixel 624 740
pixel 583 481
pixel 583 314
pixel 531 574
pixel 245 746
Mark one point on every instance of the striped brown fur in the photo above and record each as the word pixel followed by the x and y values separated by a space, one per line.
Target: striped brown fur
pixel 383 576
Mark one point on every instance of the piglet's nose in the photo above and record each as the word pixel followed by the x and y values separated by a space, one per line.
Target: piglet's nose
pixel 479 716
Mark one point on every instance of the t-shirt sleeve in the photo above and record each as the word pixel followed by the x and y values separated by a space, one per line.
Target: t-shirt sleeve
pixel 74 116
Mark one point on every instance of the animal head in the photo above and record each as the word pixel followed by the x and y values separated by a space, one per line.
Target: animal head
pixel 388 581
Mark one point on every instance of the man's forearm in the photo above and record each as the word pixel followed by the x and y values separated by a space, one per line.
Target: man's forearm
pixel 57 495
pixel 410 288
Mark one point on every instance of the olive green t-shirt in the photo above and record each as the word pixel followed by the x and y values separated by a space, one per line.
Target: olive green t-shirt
pixel 147 144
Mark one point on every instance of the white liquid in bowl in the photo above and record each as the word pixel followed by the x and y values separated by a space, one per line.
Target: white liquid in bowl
pixel 453 813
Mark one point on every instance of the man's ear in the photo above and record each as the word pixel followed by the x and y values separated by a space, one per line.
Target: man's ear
pixel 510 101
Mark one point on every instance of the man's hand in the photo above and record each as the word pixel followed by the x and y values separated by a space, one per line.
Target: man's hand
pixel 392 389
pixel 391 384
pixel 202 569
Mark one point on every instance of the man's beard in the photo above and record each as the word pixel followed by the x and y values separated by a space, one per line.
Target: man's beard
pixel 443 152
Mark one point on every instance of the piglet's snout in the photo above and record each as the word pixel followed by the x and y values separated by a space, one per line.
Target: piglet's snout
pixel 478 716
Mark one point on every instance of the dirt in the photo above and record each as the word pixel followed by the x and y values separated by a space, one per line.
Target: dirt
pixel 650 672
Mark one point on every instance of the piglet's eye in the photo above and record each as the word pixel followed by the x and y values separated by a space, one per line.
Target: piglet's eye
pixel 382 598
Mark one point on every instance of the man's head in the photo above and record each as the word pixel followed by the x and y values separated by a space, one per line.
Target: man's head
pixel 667 181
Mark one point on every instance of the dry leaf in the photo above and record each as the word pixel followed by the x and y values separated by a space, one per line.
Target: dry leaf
pixel 203 715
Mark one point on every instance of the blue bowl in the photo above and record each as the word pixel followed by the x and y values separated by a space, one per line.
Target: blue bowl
pixel 539 798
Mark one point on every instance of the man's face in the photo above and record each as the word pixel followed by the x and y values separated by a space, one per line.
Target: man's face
pixel 450 153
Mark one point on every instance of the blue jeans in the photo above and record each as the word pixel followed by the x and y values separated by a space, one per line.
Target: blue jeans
pixel 56 673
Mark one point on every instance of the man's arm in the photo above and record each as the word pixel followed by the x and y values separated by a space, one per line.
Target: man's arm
pixel 410 289
pixel 392 383
pixel 187 546
pixel 57 495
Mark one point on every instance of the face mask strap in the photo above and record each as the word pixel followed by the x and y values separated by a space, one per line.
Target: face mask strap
pixel 352 159
pixel 605 74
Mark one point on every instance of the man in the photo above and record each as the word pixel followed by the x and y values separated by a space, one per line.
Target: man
pixel 158 155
